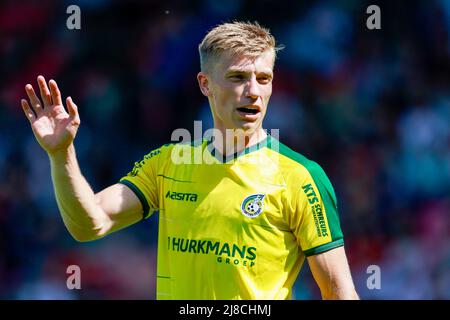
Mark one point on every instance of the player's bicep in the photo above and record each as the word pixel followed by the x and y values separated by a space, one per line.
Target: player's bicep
pixel 315 218
pixel 121 205
pixel 332 274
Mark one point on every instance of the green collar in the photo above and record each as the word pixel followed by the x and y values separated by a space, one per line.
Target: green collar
pixel 267 142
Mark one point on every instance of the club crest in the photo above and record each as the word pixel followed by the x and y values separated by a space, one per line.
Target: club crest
pixel 252 206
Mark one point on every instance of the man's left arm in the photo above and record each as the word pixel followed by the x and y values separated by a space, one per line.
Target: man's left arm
pixel 314 220
pixel 332 274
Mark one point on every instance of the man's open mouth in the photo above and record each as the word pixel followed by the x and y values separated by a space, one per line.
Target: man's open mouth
pixel 248 110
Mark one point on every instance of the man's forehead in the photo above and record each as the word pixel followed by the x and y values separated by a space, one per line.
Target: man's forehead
pixel 262 62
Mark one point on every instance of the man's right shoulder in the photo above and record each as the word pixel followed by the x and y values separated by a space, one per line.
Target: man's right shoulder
pixel 165 151
pixel 158 151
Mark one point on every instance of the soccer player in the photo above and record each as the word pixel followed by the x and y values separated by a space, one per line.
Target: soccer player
pixel 237 224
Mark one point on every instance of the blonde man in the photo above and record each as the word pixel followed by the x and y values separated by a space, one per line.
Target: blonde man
pixel 230 227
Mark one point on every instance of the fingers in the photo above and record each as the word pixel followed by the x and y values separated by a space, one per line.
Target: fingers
pixel 55 93
pixel 51 98
pixel 45 92
pixel 27 110
pixel 35 103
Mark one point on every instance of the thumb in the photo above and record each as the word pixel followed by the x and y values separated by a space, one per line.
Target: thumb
pixel 72 107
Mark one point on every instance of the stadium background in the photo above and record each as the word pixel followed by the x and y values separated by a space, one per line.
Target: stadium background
pixel 372 107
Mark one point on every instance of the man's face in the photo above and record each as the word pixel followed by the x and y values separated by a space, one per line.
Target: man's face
pixel 239 90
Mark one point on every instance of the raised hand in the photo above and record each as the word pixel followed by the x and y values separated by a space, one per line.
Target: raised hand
pixel 53 127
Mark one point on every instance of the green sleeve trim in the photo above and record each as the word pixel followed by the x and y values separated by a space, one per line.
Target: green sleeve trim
pixel 140 195
pixel 323 184
pixel 324 248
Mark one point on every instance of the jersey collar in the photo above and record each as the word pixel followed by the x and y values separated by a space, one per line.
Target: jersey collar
pixel 266 142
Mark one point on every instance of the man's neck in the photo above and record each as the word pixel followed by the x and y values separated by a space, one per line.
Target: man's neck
pixel 234 142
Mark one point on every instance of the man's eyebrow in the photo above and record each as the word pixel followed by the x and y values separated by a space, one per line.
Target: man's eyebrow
pixel 238 70
pixel 266 73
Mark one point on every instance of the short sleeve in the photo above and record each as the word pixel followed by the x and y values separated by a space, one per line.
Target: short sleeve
pixel 315 219
pixel 142 181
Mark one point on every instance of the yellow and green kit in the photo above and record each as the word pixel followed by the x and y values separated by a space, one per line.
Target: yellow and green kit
pixel 238 227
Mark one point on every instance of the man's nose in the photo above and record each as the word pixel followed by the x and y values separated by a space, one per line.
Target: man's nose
pixel 252 90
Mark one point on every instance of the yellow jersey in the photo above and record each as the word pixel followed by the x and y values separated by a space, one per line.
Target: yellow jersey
pixel 234 228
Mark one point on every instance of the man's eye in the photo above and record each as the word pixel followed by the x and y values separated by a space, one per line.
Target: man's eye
pixel 237 77
pixel 264 79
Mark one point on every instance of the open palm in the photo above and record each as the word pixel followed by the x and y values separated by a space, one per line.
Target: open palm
pixel 53 127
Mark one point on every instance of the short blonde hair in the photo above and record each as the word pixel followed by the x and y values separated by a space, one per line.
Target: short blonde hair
pixel 236 38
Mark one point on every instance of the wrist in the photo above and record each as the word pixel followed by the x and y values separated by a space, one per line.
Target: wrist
pixel 62 155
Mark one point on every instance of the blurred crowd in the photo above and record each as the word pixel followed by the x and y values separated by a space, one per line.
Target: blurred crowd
pixel 371 106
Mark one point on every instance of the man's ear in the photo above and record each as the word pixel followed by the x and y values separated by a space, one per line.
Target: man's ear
pixel 203 83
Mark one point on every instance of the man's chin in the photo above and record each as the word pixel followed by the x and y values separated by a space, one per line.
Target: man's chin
pixel 246 129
